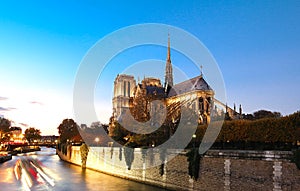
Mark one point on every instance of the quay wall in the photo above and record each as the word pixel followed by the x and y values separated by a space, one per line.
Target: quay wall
pixel 219 169
pixel 4 158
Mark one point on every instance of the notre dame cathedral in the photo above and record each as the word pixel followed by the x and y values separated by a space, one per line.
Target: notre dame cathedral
pixel 194 93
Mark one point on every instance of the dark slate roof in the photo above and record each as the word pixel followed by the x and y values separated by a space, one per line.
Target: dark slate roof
pixel 196 83
pixel 152 89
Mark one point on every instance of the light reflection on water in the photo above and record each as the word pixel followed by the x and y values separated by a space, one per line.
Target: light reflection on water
pixel 67 176
pixel 10 176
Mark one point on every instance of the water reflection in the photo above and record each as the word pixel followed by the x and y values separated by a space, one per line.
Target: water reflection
pixel 65 176
pixel 32 175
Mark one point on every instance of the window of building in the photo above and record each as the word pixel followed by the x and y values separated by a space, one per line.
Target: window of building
pixel 201 104
pixel 124 88
pixel 128 86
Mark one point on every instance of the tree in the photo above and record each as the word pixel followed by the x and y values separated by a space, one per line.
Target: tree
pixel 266 114
pixel 4 125
pixel 248 116
pixel 68 130
pixel 227 117
pixel 32 134
pixel 118 132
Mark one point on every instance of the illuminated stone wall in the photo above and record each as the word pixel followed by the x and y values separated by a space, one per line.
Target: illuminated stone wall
pixel 219 170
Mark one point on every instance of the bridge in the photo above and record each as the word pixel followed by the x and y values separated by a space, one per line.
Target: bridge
pixel 12 146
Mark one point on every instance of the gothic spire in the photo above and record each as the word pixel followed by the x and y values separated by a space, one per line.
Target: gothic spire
pixel 169 50
pixel 201 70
pixel 169 70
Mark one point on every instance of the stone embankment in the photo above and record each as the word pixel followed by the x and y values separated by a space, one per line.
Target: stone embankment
pixel 219 169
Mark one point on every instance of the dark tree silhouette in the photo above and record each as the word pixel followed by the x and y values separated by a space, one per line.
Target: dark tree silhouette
pixel 68 130
pixel 266 114
pixel 32 134
pixel 4 125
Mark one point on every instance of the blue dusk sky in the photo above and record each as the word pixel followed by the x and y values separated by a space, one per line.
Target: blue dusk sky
pixel 42 43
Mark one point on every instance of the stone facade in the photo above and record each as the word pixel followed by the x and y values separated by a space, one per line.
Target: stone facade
pixel 194 93
pixel 124 86
pixel 219 170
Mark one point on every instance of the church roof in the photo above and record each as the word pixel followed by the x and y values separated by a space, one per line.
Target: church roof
pixel 196 83
pixel 155 90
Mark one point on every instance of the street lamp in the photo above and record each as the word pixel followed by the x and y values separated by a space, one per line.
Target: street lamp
pixel 97 140
pixel 194 139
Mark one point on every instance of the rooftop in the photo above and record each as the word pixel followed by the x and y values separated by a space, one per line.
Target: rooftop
pixel 196 83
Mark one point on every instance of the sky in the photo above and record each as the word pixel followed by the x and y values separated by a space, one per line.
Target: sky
pixel 42 43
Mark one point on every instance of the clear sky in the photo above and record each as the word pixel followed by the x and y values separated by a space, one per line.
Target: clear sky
pixel 255 43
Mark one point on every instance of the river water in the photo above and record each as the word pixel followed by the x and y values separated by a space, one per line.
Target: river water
pixel 65 176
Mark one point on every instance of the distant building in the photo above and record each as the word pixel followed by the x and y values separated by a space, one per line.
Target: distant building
pixel 194 93
pixel 48 139
pixel 15 134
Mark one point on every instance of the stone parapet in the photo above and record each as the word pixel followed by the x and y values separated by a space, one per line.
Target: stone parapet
pixel 219 169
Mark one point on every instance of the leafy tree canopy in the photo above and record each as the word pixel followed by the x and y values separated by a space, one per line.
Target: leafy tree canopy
pixel 266 114
pixel 4 124
pixel 68 130
pixel 32 134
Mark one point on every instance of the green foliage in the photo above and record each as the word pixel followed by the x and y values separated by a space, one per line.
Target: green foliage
pixel 262 114
pixel 266 114
pixel 32 134
pixel 4 125
pixel 118 133
pixel 227 117
pixel 193 159
pixel 140 140
pixel 68 130
pixel 283 131
pixel 270 131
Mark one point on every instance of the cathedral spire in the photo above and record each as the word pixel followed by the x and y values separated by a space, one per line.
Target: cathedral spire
pixel 169 49
pixel 201 70
pixel 169 70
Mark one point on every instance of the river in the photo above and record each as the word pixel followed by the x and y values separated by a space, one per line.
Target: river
pixel 65 176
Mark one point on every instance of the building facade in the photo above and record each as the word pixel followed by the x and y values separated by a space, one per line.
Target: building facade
pixel 194 93
pixel 124 87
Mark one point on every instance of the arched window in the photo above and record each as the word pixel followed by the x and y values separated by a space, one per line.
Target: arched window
pixel 208 104
pixel 201 105
pixel 124 88
pixel 128 89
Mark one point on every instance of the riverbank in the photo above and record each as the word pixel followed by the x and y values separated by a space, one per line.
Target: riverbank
pixel 5 157
pixel 66 158
pixel 227 169
pixel 25 149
